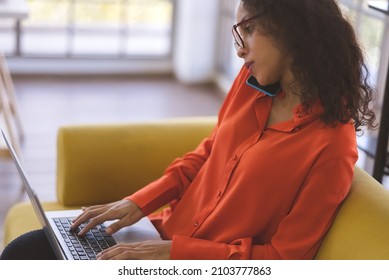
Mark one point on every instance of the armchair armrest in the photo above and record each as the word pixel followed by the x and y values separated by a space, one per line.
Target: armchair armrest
pixel 102 163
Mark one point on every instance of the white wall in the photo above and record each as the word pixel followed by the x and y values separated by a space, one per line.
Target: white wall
pixel 196 39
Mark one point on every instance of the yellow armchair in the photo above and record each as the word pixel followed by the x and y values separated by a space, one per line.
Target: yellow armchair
pixel 103 163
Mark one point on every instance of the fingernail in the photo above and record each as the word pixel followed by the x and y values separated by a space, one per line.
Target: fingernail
pixel 109 230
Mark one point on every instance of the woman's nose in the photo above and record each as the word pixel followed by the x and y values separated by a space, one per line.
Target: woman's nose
pixel 241 52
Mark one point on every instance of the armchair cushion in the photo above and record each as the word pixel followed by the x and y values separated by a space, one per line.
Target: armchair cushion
pixel 21 218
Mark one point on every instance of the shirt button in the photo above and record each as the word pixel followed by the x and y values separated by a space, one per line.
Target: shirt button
pixel 235 157
pixel 219 194
pixel 196 224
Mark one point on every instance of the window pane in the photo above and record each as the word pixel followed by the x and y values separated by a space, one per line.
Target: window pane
pixel 349 13
pixel 95 43
pixel 155 12
pixel 97 14
pixel 45 30
pixel 371 34
pixel 50 41
pixel 147 44
pixel 149 27
pixel 97 28
pixel 370 28
pixel 44 13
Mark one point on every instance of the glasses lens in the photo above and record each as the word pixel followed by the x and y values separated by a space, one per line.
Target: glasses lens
pixel 237 38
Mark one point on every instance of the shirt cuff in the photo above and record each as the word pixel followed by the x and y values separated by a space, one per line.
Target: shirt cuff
pixel 155 195
pixel 187 248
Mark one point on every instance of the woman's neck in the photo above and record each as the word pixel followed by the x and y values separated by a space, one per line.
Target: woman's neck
pixel 291 91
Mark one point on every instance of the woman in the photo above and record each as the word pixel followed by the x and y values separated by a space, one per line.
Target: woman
pixel 268 181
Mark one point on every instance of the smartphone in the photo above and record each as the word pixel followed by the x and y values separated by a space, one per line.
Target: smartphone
pixel 270 90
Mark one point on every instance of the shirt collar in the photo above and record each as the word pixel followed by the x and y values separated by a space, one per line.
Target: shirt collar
pixel 301 117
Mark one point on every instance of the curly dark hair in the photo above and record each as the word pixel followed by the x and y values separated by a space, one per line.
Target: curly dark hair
pixel 328 62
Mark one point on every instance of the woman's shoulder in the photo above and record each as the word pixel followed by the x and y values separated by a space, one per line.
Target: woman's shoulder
pixel 340 138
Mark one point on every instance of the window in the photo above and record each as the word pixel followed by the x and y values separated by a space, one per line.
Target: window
pixel 93 28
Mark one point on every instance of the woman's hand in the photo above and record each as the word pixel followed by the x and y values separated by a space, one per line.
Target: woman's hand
pixel 126 211
pixel 147 250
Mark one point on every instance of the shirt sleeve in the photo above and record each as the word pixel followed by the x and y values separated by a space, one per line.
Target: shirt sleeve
pixel 299 234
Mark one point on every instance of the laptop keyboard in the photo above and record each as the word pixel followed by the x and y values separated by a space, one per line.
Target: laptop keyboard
pixel 84 247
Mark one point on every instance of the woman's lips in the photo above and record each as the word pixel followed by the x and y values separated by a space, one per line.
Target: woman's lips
pixel 249 66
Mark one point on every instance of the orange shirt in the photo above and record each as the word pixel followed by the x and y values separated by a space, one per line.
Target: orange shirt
pixel 254 192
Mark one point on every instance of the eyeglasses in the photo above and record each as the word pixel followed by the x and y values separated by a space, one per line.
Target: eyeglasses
pixel 239 43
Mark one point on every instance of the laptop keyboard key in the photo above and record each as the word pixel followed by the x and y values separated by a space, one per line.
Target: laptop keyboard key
pixel 111 242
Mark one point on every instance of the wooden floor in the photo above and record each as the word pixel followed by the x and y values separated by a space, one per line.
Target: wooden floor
pixel 48 103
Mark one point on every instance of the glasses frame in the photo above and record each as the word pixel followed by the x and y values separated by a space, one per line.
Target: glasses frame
pixel 239 43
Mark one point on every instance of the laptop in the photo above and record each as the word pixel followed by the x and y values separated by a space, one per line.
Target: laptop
pixel 65 243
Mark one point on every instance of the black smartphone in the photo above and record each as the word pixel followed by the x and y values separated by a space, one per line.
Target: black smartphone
pixel 270 90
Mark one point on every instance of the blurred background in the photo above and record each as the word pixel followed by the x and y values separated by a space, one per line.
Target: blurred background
pixel 191 39
pixel 108 61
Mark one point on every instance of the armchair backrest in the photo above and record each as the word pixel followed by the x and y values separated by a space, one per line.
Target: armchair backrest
pixel 104 163
pixel 361 227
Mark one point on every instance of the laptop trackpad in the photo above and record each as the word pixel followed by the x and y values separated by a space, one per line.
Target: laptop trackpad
pixel 141 231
